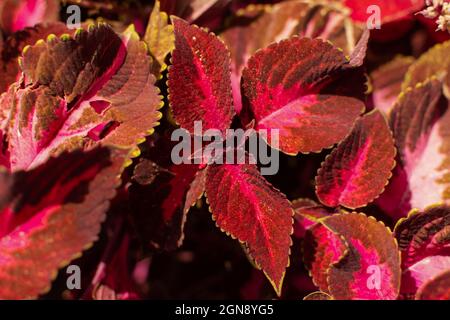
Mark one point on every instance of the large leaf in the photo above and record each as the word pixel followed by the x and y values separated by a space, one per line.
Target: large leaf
pixel 16 42
pixel 357 171
pixel 18 14
pixel 419 123
pixel 259 26
pixel 159 36
pixel 248 208
pixel 77 91
pixel 50 214
pixel 423 234
pixel 290 88
pixel 362 256
pixel 199 79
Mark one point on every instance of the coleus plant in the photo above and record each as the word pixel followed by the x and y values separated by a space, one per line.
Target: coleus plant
pixel 77 106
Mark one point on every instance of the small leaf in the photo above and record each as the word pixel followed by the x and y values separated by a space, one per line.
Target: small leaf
pixel 357 171
pixel 290 88
pixel 159 36
pixel 248 208
pixel 359 53
pixel 196 190
pixel 199 79
pixel 50 214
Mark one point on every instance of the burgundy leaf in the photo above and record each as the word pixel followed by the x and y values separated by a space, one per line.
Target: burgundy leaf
pixel 199 79
pixel 247 207
pixel 357 171
pixel 288 88
pixel 50 214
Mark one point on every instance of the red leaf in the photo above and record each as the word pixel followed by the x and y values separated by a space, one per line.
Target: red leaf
pixel 288 88
pixel 50 214
pixel 370 268
pixel 248 208
pixel 259 26
pixel 357 171
pixel 78 91
pixel 199 79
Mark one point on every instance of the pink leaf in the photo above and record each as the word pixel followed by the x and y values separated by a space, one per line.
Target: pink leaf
pixel 423 271
pixel 418 121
